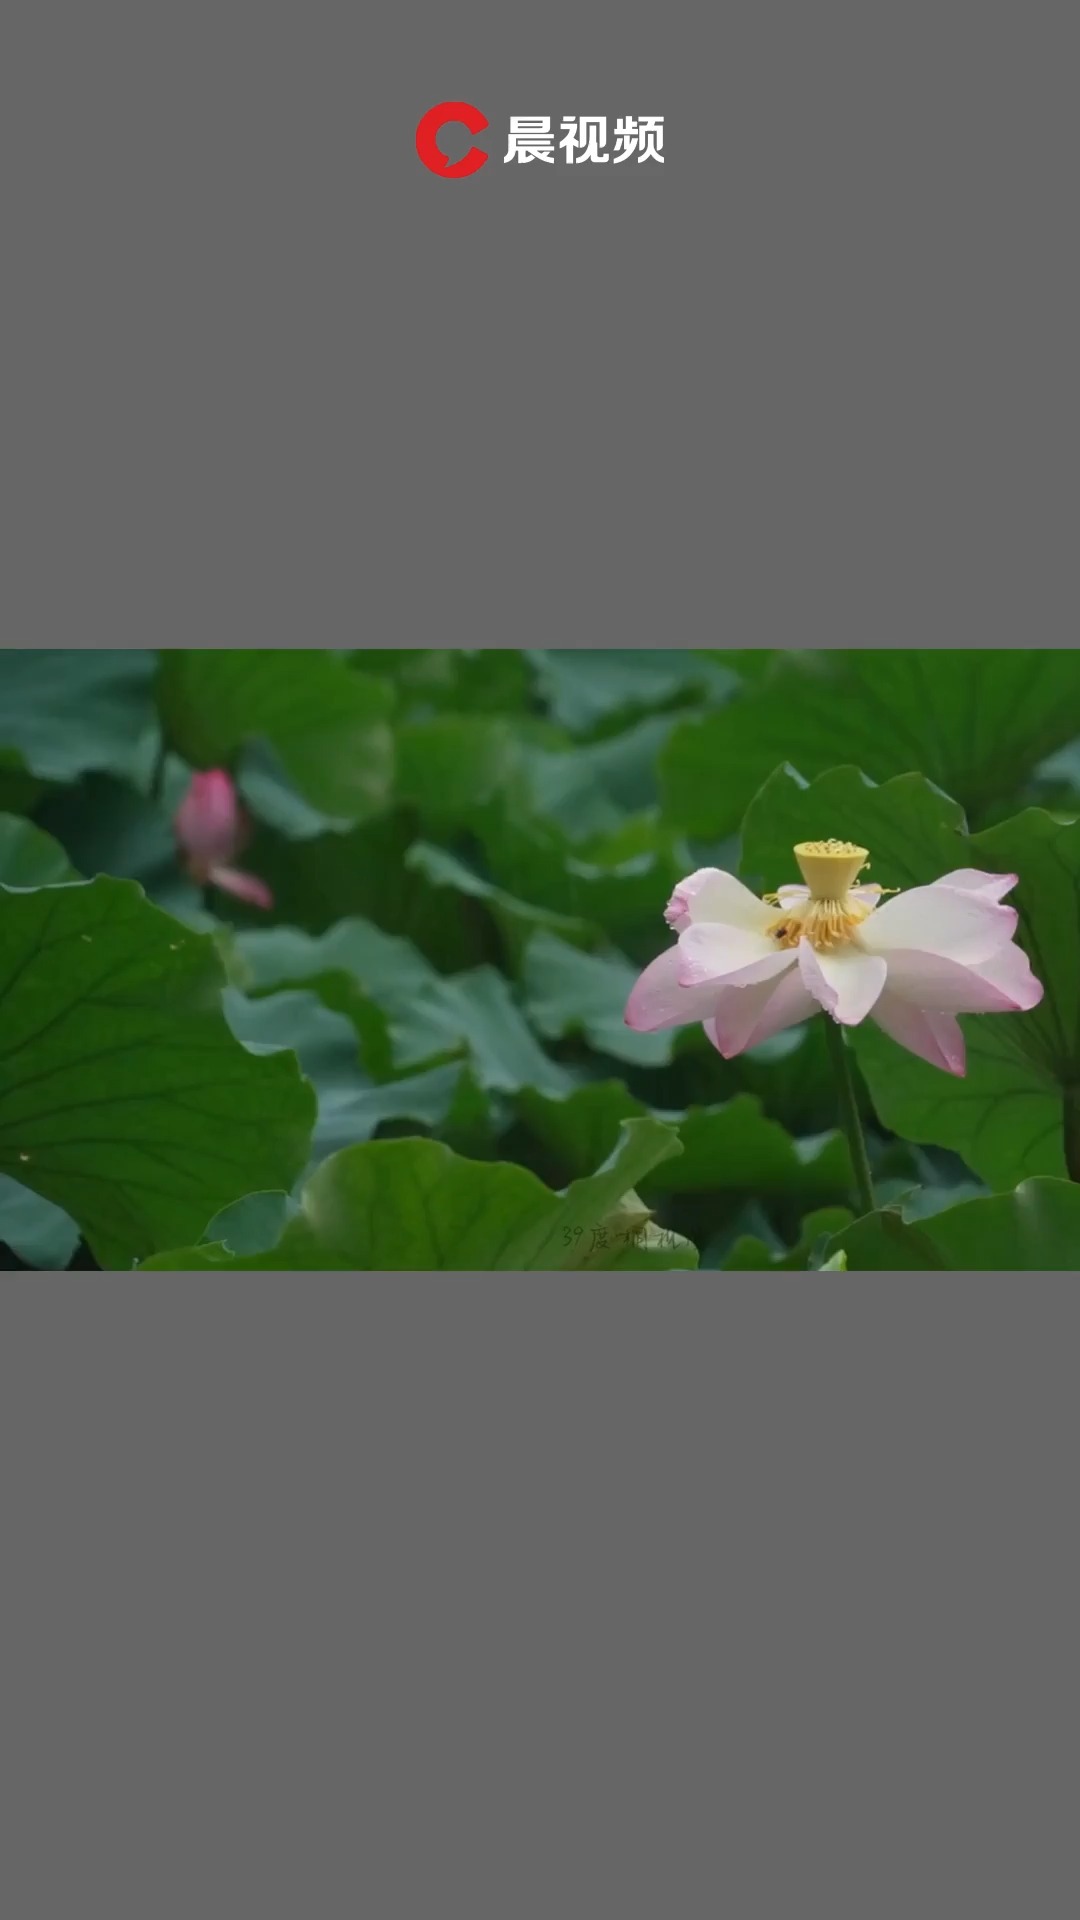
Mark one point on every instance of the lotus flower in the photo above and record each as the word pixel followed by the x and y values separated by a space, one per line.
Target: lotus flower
pixel 746 968
pixel 211 828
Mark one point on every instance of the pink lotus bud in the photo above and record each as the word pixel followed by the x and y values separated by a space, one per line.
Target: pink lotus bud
pixel 211 828
pixel 210 824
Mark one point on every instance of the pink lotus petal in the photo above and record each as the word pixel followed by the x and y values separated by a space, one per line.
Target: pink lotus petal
pixel 846 983
pixel 935 1037
pixel 245 886
pixel 969 880
pixel 657 999
pixel 961 924
pixel 1002 984
pixel 727 955
pixel 712 895
pixel 1010 971
pixel 745 1016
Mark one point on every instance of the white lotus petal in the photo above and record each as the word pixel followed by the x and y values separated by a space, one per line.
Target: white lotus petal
pixel 958 923
pixel 845 982
pixel 715 896
pixel 727 955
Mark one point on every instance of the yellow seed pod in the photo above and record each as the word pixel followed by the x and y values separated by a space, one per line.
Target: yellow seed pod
pixel 830 867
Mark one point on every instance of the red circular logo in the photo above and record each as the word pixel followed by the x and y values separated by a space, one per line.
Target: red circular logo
pixel 431 153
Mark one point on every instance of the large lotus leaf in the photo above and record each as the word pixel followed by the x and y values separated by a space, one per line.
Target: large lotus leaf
pixel 38 1233
pixel 751 1252
pixel 30 857
pixel 428 1015
pixel 248 1225
pixel 585 685
pixel 20 791
pixel 1057 781
pixel 1017 1111
pixel 449 766
pixel 1034 1229
pixel 326 721
pixel 747 663
pixel 407 1205
pixel 462 679
pixel 515 918
pixel 66 711
pixel 124 1098
pixel 325 1043
pixel 378 980
pixel 444 1099
pixel 364 874
pixel 590 790
pixel 619 881
pixel 912 832
pixel 477 1010
pixel 351 1105
pixel 106 826
pixel 272 796
pixel 569 992
pixel 731 1148
pixel 975 722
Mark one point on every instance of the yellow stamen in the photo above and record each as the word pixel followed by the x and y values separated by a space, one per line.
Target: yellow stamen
pixel 830 916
